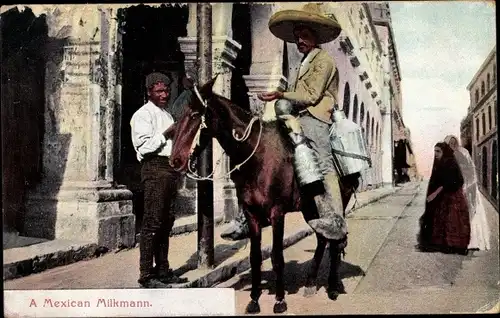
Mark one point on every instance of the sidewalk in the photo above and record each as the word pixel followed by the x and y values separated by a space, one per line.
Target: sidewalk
pixel 230 257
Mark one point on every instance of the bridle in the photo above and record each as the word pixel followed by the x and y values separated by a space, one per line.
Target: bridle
pixel 196 142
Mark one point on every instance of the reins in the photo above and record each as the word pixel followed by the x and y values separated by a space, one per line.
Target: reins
pixel 246 134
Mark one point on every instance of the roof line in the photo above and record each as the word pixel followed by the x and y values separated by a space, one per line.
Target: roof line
pixel 483 66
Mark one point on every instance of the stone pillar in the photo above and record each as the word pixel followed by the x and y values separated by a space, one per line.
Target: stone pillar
pixel 266 71
pixel 225 50
pixel 77 198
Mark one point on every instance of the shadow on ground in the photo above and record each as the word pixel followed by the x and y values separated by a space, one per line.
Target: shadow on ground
pixel 222 253
pixel 295 275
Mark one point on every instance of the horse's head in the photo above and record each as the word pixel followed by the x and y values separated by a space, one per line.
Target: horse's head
pixel 189 125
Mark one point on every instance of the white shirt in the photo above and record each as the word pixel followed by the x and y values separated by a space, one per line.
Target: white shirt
pixel 148 124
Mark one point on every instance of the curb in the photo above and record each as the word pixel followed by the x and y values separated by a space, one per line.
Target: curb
pixel 226 272
pixel 41 263
pixel 372 200
pixel 193 227
pixel 74 254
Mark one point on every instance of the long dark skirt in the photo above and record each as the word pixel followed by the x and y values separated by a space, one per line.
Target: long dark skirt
pixel 445 224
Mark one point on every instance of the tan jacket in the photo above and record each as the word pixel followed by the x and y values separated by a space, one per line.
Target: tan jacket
pixel 316 85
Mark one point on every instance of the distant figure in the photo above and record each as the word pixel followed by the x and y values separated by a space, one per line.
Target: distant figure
pixel 445 225
pixel 480 233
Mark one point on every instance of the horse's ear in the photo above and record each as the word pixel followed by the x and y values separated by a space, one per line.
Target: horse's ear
pixel 206 89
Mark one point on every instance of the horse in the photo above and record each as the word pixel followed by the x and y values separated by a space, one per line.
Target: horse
pixel 264 180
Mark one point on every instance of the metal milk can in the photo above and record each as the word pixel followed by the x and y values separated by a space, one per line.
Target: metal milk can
pixel 348 145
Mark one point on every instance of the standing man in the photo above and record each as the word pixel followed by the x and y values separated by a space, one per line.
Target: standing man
pixel 151 138
pixel 306 108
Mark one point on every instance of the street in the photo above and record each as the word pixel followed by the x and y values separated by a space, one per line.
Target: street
pixel 397 278
pixel 381 271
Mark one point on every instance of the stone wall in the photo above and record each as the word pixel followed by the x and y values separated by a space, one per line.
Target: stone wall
pixel 76 198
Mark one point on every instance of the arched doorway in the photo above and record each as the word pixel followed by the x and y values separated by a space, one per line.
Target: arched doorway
pixel 368 128
pixel 347 99
pixel 485 168
pixel 372 133
pixel 355 109
pixel 494 170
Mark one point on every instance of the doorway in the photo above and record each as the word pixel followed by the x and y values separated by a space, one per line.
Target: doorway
pixel 24 38
pixel 242 33
pixel 149 44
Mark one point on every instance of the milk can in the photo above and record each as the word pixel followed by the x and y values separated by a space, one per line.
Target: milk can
pixel 348 145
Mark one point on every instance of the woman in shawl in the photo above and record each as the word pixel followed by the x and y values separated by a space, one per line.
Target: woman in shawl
pixel 480 234
pixel 445 226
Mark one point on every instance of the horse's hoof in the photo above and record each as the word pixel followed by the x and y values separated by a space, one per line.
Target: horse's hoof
pixel 310 291
pixel 280 307
pixel 334 293
pixel 252 307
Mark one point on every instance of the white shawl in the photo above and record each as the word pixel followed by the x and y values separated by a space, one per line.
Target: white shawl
pixel 468 170
pixel 480 234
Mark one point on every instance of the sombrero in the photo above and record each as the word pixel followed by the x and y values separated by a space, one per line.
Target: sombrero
pixel 282 23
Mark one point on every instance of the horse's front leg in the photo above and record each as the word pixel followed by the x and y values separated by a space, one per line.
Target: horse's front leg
pixel 310 288
pixel 255 264
pixel 278 261
pixel 335 285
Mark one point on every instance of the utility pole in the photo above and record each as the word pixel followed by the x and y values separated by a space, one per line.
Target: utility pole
pixel 205 164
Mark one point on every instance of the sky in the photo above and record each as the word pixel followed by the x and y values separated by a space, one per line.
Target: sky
pixel 440 47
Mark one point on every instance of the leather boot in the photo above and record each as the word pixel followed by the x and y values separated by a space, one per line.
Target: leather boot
pixel 147 277
pixel 238 229
pixel 164 272
pixel 331 223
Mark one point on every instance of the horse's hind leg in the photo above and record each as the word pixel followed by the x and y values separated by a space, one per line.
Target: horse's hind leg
pixel 335 285
pixel 310 288
pixel 278 261
pixel 255 264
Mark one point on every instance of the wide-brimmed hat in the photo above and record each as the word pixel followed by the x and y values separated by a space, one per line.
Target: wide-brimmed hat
pixel 282 23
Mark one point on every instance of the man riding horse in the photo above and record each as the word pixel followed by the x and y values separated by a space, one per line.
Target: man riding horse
pixel 306 109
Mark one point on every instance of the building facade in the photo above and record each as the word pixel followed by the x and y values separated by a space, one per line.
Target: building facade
pixel 85 66
pixel 480 126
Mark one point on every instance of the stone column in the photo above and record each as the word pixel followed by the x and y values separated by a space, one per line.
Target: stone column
pixel 225 50
pixel 77 198
pixel 266 71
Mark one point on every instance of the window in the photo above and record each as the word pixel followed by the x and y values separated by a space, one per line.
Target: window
pixel 483 117
pixel 488 82
pixel 477 129
pixel 482 89
pixel 494 74
pixel 378 136
pixel 361 15
pixel 347 99
pixel 489 118
pixel 485 167
pixel 355 109
pixel 477 96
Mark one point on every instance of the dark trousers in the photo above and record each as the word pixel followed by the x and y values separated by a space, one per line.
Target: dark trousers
pixel 160 183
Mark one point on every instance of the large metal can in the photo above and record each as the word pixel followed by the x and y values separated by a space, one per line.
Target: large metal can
pixel 348 145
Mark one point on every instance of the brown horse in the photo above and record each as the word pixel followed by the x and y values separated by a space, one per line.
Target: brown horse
pixel 265 184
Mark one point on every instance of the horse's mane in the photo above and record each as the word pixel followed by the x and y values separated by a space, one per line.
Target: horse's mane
pixel 243 113
pixel 272 127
